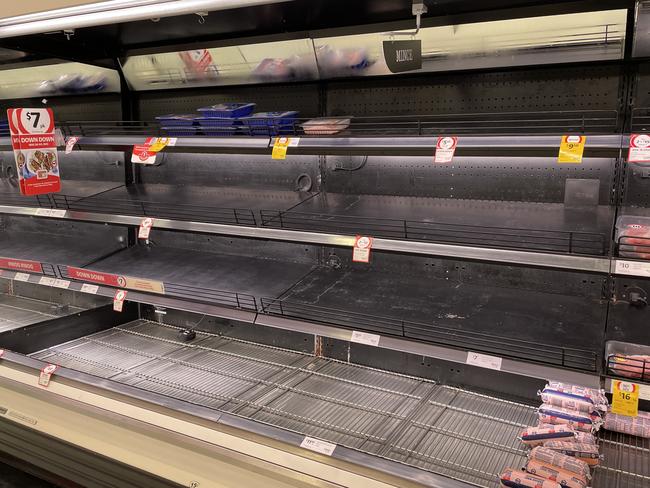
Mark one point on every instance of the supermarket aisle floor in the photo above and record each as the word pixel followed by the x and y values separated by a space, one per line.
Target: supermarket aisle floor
pixel 14 478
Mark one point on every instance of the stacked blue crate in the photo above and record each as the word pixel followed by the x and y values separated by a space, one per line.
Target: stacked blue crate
pixel 223 119
pixel 178 125
pixel 271 123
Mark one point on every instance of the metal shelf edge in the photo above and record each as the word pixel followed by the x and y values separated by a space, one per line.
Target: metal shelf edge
pixel 429 350
pixel 558 261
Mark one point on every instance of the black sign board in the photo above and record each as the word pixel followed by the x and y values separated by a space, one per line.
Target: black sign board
pixel 403 56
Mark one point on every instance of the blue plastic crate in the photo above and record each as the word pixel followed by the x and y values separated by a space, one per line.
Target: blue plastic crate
pixel 217 121
pixel 180 131
pixel 228 110
pixel 176 120
pixel 220 131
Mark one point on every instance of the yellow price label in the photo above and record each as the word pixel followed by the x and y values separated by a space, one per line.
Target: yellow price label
pixel 625 398
pixel 159 144
pixel 280 147
pixel 571 149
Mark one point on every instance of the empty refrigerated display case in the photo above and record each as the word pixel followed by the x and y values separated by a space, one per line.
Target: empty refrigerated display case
pixel 207 317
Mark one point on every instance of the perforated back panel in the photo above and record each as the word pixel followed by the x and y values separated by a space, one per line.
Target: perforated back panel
pixel 562 88
pixel 302 98
pixel 247 171
pixel 532 179
pixel 82 107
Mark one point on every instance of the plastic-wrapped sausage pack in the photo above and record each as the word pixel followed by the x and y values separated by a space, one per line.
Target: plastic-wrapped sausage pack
pixel 516 478
pixel 571 401
pixel 585 452
pixel 583 421
pixel 565 478
pixel 537 436
pixel 638 426
pixel 562 461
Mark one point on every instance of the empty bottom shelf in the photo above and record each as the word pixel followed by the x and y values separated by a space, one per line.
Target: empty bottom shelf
pixel 447 430
pixel 451 431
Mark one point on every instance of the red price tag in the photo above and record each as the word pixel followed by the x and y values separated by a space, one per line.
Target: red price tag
pixel 361 251
pixel 445 149
pixel 145 228
pixel 46 374
pixel 118 300
pixel 143 155
pixel 34 143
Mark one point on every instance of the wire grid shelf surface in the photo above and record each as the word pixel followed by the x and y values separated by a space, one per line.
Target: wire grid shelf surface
pixel 458 433
pixel 198 294
pixel 164 210
pixel 557 241
pixel 504 346
pixel 626 462
pixel 16 312
pixel 560 121
pixel 589 243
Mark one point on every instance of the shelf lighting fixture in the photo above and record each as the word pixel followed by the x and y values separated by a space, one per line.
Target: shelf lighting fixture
pixel 114 12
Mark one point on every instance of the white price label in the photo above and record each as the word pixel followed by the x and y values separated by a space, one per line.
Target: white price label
pixel 70 144
pixel 65 284
pixel 145 228
pixel 21 277
pixel 365 338
pixel 484 361
pixel 317 445
pixel 632 268
pixel 644 390
pixel 87 288
pixel 47 281
pixel 50 212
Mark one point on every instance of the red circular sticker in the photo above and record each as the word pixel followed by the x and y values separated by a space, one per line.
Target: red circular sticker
pixel 640 140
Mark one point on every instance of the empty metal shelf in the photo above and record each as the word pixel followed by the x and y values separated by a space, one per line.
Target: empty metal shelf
pixel 461 434
pixel 16 312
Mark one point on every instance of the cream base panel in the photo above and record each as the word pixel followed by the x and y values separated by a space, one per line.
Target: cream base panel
pixel 170 447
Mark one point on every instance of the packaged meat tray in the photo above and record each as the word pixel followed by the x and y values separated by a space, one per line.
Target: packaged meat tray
pixel 176 120
pixel 633 236
pixel 635 366
pixel 325 126
pixel 638 426
pixel 271 123
pixel 228 110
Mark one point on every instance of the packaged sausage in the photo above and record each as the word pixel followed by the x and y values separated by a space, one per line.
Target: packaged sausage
pixel 578 436
pixel 564 478
pixel 570 401
pixel 585 452
pixel 638 426
pixel 585 422
pixel 516 478
pixel 597 397
pixel 535 436
pixel 562 461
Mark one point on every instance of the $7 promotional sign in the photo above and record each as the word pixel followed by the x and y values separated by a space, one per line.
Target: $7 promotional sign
pixel 34 144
